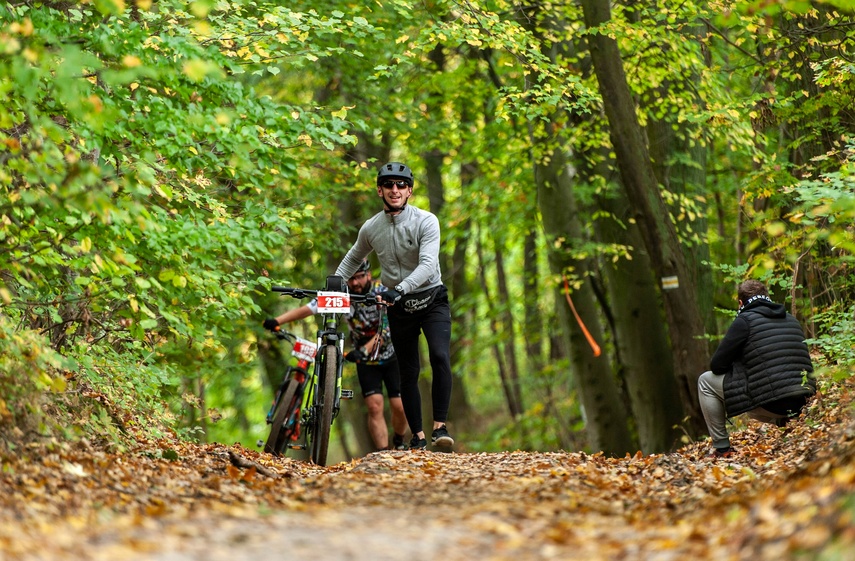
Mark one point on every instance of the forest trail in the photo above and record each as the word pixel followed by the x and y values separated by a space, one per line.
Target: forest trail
pixel 788 494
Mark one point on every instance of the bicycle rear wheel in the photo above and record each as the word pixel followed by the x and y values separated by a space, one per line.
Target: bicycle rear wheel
pixel 323 421
pixel 278 437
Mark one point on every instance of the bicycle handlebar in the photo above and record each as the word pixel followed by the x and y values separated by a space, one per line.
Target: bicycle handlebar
pixel 306 293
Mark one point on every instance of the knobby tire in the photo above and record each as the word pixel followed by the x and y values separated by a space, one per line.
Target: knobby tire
pixel 278 437
pixel 321 443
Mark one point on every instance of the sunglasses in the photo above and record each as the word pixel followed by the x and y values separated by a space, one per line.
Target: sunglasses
pixel 399 183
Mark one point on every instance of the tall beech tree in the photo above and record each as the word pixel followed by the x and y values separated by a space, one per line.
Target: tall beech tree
pixel 607 419
pixel 678 281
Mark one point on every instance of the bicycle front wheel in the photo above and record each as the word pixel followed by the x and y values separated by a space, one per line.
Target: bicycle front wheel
pixel 278 436
pixel 323 421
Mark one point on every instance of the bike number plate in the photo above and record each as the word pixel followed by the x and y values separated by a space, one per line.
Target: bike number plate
pixel 333 303
pixel 305 349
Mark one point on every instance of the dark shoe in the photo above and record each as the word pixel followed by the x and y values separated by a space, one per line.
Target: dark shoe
pixel 440 438
pixel 722 452
pixel 782 422
pixel 398 442
pixel 417 443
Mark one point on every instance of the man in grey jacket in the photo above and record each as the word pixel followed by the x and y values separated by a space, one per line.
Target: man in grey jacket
pixel 762 367
pixel 406 240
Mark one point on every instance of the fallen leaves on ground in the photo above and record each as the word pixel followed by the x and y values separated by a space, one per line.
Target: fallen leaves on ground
pixel 788 494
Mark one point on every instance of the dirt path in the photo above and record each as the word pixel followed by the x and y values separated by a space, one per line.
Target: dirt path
pixel 789 494
pixel 413 506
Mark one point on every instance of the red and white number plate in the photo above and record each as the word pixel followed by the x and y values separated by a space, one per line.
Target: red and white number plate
pixel 304 349
pixel 333 303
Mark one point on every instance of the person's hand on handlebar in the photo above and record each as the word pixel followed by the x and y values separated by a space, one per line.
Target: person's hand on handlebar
pixel 271 324
pixel 390 296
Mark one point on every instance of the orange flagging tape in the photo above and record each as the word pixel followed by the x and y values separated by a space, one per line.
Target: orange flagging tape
pixel 594 346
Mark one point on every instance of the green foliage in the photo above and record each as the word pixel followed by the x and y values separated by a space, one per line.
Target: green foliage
pixel 834 342
pixel 162 163
pixel 540 427
pixel 28 367
pixel 826 205
pixel 135 168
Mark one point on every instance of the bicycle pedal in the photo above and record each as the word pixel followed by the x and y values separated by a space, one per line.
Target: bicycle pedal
pixel 347 394
pixel 297 446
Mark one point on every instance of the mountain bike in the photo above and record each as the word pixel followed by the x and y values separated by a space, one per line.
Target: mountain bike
pixel 322 394
pixel 284 414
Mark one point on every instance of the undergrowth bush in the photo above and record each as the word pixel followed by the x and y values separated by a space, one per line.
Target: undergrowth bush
pixel 94 392
pixel 28 369
pixel 836 345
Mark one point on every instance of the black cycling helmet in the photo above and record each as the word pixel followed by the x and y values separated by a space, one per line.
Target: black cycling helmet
pixel 365 266
pixel 394 170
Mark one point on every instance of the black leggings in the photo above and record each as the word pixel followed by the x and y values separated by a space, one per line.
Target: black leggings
pixel 435 323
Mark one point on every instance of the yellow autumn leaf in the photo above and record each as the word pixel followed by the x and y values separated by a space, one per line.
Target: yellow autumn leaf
pixel 200 9
pixel 24 28
pixel 74 469
pixel 197 69
pixel 110 7
pixel 776 228
pixel 341 113
pixel 58 384
pixel 131 61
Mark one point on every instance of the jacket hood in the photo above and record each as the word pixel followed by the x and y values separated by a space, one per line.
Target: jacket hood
pixel 765 307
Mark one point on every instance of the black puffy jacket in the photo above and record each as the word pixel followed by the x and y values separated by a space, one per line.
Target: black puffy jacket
pixel 764 359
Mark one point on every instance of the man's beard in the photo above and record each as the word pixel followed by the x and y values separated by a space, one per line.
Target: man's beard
pixel 364 290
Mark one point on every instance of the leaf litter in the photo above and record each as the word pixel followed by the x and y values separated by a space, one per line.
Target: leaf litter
pixel 788 494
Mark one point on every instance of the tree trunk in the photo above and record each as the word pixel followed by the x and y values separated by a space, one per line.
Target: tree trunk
pixel 510 332
pixel 680 165
pixel 685 321
pixel 498 337
pixel 533 321
pixel 641 337
pixel 607 422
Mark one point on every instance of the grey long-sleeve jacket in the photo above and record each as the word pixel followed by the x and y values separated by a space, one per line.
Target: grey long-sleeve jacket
pixel 407 246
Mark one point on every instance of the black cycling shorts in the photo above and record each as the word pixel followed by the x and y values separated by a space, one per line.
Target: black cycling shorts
pixel 373 376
